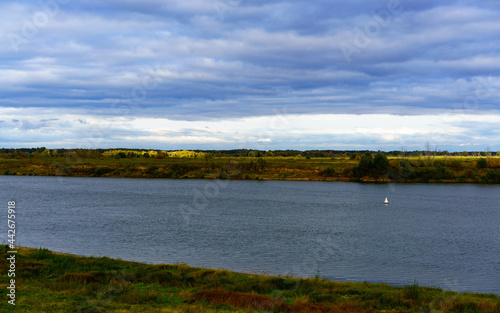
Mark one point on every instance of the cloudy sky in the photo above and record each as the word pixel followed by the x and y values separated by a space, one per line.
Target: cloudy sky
pixel 223 74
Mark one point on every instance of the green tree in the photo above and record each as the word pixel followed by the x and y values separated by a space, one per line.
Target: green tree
pixel 380 163
pixel 365 165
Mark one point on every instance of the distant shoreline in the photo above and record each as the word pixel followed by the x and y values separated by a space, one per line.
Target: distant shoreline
pixel 439 169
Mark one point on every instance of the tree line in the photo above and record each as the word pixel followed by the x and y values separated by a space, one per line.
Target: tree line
pixel 136 153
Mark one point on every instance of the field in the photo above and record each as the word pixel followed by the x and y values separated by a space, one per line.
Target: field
pixel 53 282
pixel 419 169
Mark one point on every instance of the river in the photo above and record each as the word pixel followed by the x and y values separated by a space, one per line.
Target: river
pixel 440 235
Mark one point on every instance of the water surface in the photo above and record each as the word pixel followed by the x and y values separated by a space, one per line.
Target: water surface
pixel 440 235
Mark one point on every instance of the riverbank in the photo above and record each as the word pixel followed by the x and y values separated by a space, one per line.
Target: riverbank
pixel 440 169
pixel 53 282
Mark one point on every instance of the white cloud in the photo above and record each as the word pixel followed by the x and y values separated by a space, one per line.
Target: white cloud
pixel 304 131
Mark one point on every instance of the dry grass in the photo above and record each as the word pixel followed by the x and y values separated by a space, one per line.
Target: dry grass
pixel 256 301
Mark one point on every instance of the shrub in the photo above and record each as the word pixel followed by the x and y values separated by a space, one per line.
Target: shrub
pixel 42 254
pixel 100 171
pixel 328 172
pixel 456 164
pixel 412 292
pixel 481 163
pixel 493 176
pixel 465 307
pixel 347 171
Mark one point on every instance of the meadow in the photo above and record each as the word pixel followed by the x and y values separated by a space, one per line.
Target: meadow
pixel 258 166
pixel 47 281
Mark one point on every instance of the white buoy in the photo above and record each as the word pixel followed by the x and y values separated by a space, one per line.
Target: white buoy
pixel 386 201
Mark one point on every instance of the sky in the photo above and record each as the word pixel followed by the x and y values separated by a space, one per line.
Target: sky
pixel 230 74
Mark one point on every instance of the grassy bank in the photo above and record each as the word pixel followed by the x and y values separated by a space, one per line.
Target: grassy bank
pixel 53 282
pixel 439 169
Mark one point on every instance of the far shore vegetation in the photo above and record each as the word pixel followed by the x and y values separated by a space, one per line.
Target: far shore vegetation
pixel 48 281
pixel 315 165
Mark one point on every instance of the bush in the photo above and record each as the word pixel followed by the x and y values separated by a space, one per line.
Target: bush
pixel 347 171
pixel 493 176
pixel 465 307
pixel 42 254
pixel 403 170
pixel 412 292
pixel 100 171
pixel 152 169
pixel 328 172
pixel 481 163
pixel 456 164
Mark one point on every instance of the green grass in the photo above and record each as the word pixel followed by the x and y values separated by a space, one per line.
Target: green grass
pixel 53 282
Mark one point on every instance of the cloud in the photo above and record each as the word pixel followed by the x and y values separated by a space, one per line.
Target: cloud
pixel 279 131
pixel 205 60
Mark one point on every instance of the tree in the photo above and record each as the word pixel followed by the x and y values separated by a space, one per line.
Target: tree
pixel 380 163
pixel 46 153
pixel 207 156
pixel 365 165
